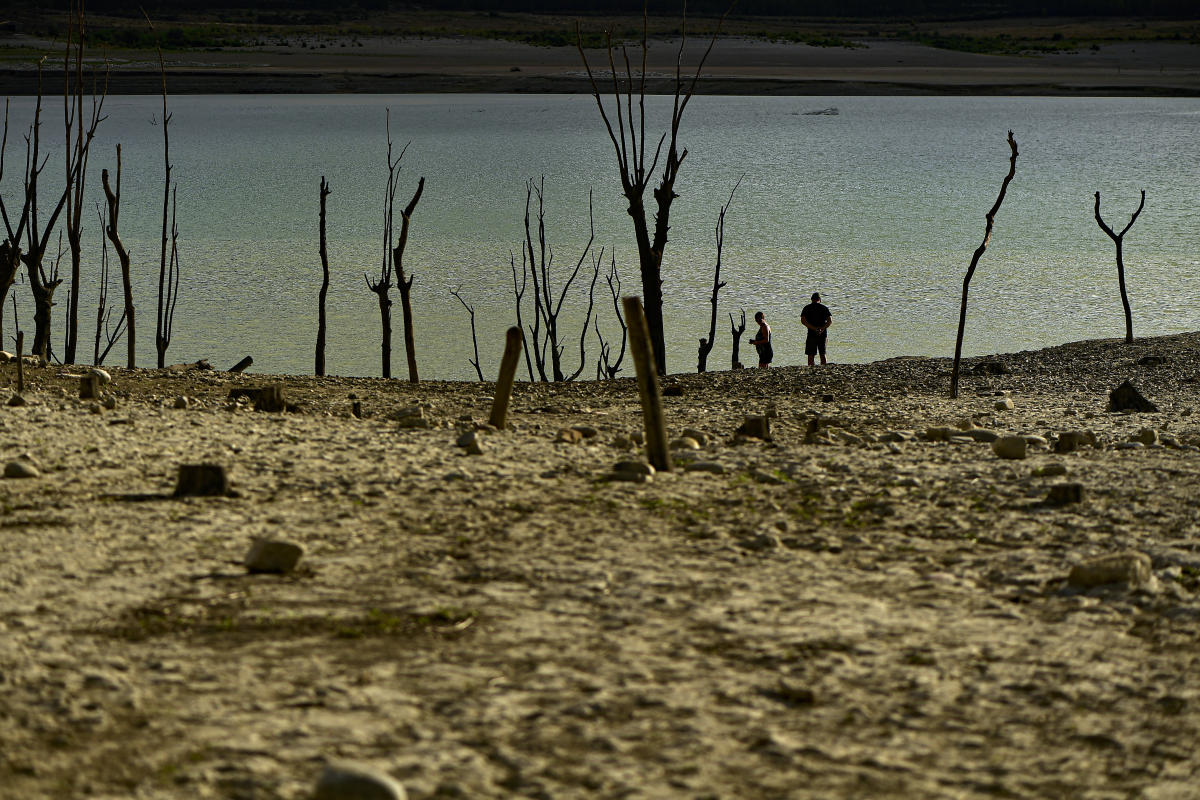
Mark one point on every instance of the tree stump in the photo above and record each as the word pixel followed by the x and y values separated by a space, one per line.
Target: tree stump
pixel 202 480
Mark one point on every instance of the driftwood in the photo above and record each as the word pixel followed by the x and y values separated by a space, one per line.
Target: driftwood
pixel 1119 241
pixel 987 236
pixel 242 365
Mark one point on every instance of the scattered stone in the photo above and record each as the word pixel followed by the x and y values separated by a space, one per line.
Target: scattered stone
pixel 761 541
pixel 1129 567
pixel 1050 470
pixel 6 357
pixel 990 368
pixel 1062 494
pixel 756 426
pixel 1012 447
pixel 939 434
pixel 622 443
pixel 273 556
pixel 1147 436
pixel 983 434
pixel 465 438
pixel 103 375
pixel 966 424
pixel 182 401
pixel 95 408
pixel 356 782
pixel 894 448
pixel 265 398
pixel 1152 361
pixel 587 431
pixel 634 466
pixel 202 480
pixel 895 436
pixel 713 467
pixel 1005 405
pixel 684 443
pixel 472 442
pixel 17 400
pixel 761 476
pixel 412 417
pixel 672 391
pixel 698 435
pixel 568 436
pixel 109 401
pixel 1033 440
pixel 1070 441
pixel 638 438
pixel 1127 398
pixel 20 469
pixel 1129 446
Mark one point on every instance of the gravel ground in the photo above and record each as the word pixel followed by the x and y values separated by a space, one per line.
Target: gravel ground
pixel 872 603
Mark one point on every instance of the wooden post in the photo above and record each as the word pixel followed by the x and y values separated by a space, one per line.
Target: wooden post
pixel 504 382
pixel 89 387
pixel 647 377
pixel 20 362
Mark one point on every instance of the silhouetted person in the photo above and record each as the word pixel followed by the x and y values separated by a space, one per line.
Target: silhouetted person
pixel 817 319
pixel 763 342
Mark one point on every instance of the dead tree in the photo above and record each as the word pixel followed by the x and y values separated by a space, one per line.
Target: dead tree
pixel 605 366
pixel 113 201
pixel 628 137
pixel 706 345
pixel 77 147
pixel 393 265
pixel 537 259
pixel 1119 241
pixel 103 312
pixel 474 339
pixel 319 367
pixel 736 331
pixel 168 258
pixel 987 236
pixel 36 232
pixel 519 293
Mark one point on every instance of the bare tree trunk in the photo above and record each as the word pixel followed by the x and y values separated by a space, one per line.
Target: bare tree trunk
pixel 405 283
pixel 631 148
pixel 1119 241
pixel 77 152
pixel 611 368
pixel 737 331
pixel 706 345
pixel 319 367
pixel 474 339
pixel 987 235
pixel 167 283
pixel 114 210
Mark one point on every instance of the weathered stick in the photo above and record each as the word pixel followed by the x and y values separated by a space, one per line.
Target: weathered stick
pixel 20 362
pixel 648 388
pixel 242 365
pixel 508 371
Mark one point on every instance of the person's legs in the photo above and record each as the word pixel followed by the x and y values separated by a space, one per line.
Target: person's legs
pixel 821 350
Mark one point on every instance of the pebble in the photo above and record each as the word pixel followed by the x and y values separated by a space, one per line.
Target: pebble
pixel 273 555
pixel 1129 446
pixel 983 434
pixel 101 374
pixel 757 427
pixel 586 431
pixel 20 469
pixel 356 782
pixel 568 436
pixel 181 401
pixel 622 443
pixel 685 443
pixel 633 467
pixel 700 436
pixel 1070 441
pixel 1147 436
pixel 1005 405
pixel 1033 440
pixel 939 434
pixel 1049 470
pixel 1012 447
pixel 17 400
pixel 1130 567
pixel 714 467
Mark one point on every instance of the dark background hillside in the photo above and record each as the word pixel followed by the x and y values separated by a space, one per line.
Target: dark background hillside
pixel 327 11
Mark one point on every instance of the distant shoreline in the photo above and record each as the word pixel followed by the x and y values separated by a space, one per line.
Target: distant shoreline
pixel 737 66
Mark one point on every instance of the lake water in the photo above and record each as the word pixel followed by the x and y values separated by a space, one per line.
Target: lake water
pixel 878 207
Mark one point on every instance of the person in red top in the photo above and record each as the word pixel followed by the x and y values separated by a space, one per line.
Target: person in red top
pixel 817 319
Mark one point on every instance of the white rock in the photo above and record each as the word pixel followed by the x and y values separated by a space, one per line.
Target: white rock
pixel 356 782
pixel 20 469
pixel 101 374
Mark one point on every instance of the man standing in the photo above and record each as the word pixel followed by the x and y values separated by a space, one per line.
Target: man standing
pixel 817 319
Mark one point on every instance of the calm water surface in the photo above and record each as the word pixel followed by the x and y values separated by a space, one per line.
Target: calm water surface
pixel 879 208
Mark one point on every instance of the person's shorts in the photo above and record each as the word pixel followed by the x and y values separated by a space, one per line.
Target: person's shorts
pixel 815 343
pixel 765 353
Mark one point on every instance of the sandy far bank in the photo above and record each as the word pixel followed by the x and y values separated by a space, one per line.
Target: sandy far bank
pixel 736 66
